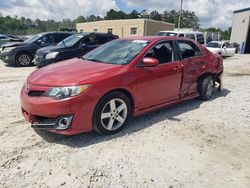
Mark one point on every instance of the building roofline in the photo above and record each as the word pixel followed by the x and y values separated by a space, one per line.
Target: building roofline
pixel 242 10
pixel 120 20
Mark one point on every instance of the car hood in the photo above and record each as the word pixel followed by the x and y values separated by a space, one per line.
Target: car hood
pixel 48 49
pixel 13 44
pixel 73 72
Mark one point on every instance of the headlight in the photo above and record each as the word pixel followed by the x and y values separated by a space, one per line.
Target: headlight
pixel 64 92
pixel 8 49
pixel 51 55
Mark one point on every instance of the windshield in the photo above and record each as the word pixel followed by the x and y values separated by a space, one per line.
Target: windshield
pixel 33 39
pixel 71 40
pixel 169 34
pixel 118 52
pixel 213 45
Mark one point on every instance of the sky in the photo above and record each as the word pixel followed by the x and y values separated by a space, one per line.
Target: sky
pixel 212 13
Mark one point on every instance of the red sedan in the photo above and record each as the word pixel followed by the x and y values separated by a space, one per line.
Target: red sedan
pixel 123 78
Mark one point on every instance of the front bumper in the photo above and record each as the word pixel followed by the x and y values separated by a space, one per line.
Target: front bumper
pixel 40 61
pixel 8 57
pixel 45 112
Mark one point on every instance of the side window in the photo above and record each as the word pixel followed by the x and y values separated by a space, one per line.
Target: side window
pixel 188 49
pixel 181 35
pixel 102 39
pixel 3 37
pixel 163 51
pixel 227 45
pixel 48 39
pixel 191 36
pixel 60 37
pixel 200 38
pixel 88 40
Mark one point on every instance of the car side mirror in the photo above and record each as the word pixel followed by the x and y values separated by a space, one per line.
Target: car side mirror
pixel 149 62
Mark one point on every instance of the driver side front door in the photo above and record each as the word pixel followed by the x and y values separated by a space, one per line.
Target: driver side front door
pixel 160 84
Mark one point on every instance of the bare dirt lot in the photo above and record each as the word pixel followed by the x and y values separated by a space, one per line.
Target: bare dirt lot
pixel 192 144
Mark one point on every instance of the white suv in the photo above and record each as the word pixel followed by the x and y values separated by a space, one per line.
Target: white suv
pixel 197 36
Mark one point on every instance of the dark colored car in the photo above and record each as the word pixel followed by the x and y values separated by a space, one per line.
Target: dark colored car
pixel 120 79
pixel 22 53
pixel 9 38
pixel 74 46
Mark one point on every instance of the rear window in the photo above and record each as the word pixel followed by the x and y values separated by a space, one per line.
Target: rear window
pixel 200 38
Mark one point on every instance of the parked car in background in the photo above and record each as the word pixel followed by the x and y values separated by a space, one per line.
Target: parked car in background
pixel 22 53
pixel 196 36
pixel 223 48
pixel 9 38
pixel 122 78
pixel 74 46
pixel 236 46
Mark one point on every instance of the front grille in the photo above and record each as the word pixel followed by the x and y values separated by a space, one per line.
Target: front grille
pixel 36 93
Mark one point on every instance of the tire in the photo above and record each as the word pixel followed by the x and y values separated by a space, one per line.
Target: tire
pixel 23 59
pixel 205 88
pixel 111 113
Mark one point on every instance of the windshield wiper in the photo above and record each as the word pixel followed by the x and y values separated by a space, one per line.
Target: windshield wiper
pixel 95 60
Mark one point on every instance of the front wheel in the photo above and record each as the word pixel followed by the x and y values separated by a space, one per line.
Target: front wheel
pixel 23 59
pixel 111 113
pixel 205 88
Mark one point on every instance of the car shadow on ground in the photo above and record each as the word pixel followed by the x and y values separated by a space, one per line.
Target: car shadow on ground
pixel 135 124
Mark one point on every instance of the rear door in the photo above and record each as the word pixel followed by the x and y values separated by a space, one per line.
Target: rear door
pixel 194 63
pixel 160 84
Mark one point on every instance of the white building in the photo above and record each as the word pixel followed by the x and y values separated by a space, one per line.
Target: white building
pixel 241 29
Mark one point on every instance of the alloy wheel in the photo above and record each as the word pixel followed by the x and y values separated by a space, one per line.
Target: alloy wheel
pixel 114 114
pixel 210 87
pixel 24 60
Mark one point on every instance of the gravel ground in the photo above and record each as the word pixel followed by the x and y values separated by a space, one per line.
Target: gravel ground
pixel 192 144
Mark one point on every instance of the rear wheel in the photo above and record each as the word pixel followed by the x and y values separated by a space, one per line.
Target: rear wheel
pixel 205 87
pixel 111 113
pixel 23 59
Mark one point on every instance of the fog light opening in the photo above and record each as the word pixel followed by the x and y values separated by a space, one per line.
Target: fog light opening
pixel 64 122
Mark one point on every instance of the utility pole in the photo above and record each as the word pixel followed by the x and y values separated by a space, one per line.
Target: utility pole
pixel 180 13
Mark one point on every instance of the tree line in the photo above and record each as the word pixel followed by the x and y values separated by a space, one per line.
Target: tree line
pixel 23 26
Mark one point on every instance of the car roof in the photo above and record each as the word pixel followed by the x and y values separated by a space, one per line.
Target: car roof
pixel 178 32
pixel 156 38
pixel 95 33
pixel 56 32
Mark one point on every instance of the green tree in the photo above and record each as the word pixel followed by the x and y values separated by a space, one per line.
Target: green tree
pixel 115 15
pixel 133 15
pixel 154 15
pixel 188 20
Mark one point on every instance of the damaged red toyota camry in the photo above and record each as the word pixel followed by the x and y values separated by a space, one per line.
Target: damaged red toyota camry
pixel 123 78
